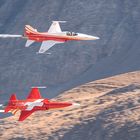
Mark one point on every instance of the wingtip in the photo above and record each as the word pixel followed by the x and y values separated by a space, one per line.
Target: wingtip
pixel 38 87
pixel 97 37
pixel 61 21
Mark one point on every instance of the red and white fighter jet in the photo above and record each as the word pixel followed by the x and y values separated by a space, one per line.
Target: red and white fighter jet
pixel 34 102
pixel 54 36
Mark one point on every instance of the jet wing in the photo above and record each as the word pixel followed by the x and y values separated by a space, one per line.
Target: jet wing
pixel 24 114
pixel 46 45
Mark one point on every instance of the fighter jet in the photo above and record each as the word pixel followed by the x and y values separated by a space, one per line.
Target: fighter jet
pixel 53 36
pixel 34 102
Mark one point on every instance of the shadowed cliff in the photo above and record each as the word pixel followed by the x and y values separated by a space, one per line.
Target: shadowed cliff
pixel 109 110
pixel 72 63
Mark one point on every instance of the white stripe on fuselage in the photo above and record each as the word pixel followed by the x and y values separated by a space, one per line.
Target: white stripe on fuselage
pixel 31 105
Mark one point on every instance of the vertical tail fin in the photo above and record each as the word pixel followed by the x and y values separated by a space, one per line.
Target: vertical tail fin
pixel 29 31
pixel 12 99
pixel 34 94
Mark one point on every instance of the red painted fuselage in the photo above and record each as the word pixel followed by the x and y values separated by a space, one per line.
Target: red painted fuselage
pixel 33 34
pixel 45 105
pixel 34 102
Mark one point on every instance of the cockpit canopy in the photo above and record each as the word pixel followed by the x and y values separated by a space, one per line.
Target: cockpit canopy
pixel 71 34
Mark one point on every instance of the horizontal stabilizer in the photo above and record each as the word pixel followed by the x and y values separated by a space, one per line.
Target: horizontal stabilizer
pixel 29 42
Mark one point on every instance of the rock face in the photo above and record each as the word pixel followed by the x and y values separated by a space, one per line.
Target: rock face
pixel 110 107
pixel 110 110
pixel 115 22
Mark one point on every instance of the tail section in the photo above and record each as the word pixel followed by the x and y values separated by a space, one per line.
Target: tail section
pixel 12 99
pixel 34 94
pixel 29 42
pixel 29 31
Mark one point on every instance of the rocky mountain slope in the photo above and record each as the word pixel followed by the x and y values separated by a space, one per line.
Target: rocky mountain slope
pixel 110 110
pixel 115 22
pixel 109 107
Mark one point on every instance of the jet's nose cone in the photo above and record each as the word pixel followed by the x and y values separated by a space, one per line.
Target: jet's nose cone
pixel 97 37
pixel 87 37
pixel 93 37
pixel 75 104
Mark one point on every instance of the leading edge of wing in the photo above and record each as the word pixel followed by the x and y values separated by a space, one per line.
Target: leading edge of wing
pixel 24 114
pixel 46 45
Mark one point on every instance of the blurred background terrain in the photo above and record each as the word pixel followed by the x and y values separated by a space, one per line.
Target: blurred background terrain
pixel 117 23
